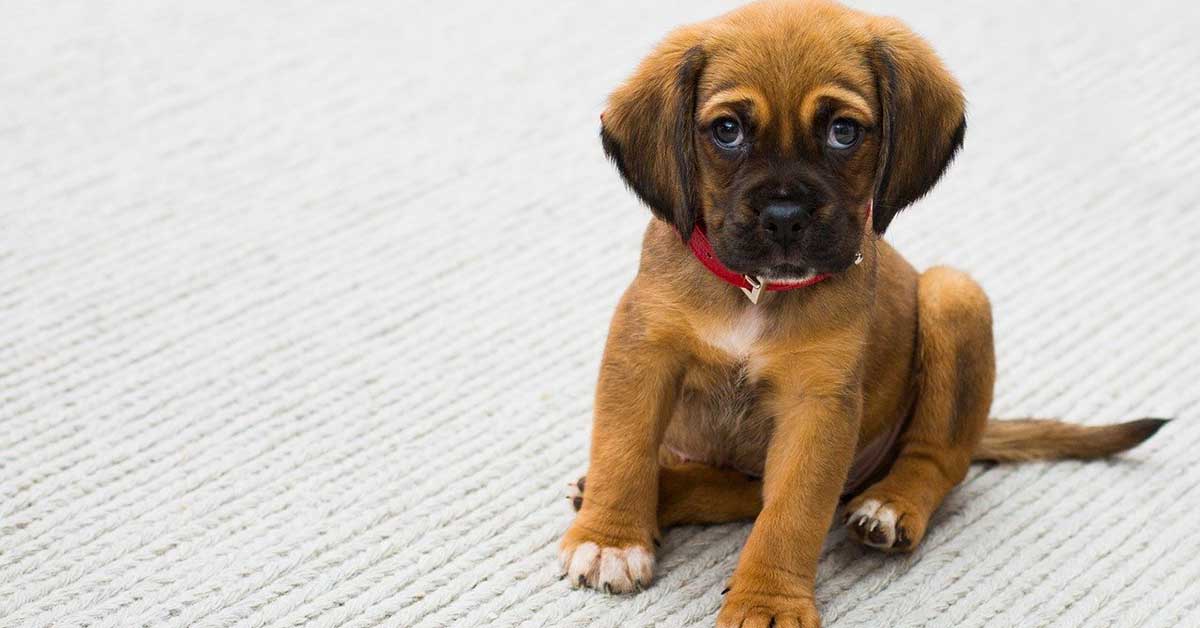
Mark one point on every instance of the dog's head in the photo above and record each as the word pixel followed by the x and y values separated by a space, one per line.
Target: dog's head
pixel 776 126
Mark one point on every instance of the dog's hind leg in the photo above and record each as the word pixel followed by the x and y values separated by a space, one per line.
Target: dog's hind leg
pixel 955 373
pixel 694 493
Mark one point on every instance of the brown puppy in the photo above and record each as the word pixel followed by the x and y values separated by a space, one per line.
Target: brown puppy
pixel 788 134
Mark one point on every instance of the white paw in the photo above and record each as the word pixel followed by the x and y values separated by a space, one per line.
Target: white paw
pixel 609 569
pixel 874 524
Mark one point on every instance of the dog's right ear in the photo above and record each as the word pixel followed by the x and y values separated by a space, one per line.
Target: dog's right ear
pixel 648 129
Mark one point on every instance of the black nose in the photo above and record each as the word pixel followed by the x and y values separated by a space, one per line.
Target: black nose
pixel 785 222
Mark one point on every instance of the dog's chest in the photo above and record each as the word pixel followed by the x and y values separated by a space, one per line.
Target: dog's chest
pixel 719 419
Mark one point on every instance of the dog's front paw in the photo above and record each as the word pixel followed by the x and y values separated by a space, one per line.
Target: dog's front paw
pixel 754 609
pixel 614 561
pixel 608 569
pixel 882 523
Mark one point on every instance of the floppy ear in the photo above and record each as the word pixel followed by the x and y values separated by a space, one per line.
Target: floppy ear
pixel 649 127
pixel 923 118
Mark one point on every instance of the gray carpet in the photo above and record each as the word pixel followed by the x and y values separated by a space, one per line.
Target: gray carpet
pixel 301 306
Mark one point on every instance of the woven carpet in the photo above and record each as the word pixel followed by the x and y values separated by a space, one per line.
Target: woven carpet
pixel 301 307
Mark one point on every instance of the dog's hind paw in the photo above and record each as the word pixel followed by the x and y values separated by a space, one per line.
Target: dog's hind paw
pixel 885 525
pixel 575 493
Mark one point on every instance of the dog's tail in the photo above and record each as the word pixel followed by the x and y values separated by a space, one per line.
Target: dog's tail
pixel 1048 439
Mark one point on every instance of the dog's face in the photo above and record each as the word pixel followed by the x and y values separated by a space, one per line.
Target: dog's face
pixel 777 125
pixel 786 145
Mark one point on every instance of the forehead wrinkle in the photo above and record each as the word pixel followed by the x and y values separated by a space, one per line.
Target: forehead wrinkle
pixel 839 95
pixel 731 97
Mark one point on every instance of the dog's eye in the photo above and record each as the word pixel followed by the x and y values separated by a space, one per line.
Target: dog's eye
pixel 727 133
pixel 843 134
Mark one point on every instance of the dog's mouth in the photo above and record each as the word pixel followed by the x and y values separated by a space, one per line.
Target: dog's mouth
pixel 757 258
pixel 775 270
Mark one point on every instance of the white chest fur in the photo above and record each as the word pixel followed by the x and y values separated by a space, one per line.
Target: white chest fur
pixel 737 336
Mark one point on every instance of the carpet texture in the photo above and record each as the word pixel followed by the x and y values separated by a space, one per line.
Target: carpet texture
pixel 301 306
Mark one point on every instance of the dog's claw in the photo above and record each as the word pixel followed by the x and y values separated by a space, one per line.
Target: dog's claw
pixel 582 581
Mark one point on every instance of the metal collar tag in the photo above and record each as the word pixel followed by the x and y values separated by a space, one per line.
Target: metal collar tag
pixel 756 288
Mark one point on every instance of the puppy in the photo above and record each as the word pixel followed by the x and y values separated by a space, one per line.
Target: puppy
pixel 774 355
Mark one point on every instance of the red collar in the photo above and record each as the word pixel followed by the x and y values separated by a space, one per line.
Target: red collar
pixel 752 286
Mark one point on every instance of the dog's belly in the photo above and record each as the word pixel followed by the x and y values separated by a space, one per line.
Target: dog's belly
pixel 718 419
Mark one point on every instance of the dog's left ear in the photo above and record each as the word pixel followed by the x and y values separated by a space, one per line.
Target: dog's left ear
pixel 923 119
pixel 648 129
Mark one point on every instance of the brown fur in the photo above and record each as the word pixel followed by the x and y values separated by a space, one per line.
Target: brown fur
pixel 699 388
pixel 1046 439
